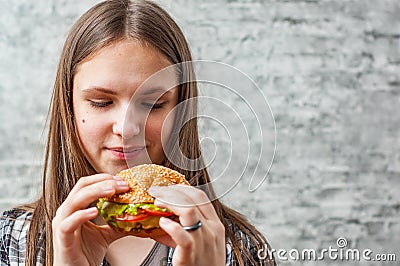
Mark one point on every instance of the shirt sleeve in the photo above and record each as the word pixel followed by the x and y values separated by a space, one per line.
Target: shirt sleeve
pixel 14 226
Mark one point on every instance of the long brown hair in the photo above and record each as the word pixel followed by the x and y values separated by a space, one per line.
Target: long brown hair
pixel 65 163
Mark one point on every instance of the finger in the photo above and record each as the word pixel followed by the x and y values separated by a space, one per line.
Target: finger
pixel 88 194
pixel 187 215
pixel 165 240
pixel 82 198
pixel 187 211
pixel 65 229
pixel 207 240
pixel 89 180
pixel 179 236
pixel 184 196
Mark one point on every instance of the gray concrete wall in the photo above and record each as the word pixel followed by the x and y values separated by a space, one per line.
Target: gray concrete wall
pixel 330 70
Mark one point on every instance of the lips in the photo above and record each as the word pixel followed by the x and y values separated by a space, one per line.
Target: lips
pixel 127 152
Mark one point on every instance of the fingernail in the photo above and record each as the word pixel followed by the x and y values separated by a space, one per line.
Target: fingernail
pixel 122 183
pixel 118 178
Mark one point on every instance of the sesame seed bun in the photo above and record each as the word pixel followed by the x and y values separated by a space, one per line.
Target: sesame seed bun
pixel 140 178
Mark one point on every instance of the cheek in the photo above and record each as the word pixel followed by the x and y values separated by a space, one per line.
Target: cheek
pixel 89 130
pixel 159 129
pixel 153 130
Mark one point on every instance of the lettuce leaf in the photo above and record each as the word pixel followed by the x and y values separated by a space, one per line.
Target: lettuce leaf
pixel 110 210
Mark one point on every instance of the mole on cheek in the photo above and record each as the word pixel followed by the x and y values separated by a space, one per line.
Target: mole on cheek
pixel 83 120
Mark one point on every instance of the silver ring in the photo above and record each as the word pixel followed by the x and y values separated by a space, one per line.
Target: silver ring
pixel 192 227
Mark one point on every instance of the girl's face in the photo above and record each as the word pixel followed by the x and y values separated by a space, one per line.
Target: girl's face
pixel 111 128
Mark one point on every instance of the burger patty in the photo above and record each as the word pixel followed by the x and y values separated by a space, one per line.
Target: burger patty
pixel 149 223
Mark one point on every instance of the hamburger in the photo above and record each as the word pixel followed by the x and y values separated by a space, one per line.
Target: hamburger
pixel 133 212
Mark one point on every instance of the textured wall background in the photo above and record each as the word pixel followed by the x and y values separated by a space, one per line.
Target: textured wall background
pixel 330 70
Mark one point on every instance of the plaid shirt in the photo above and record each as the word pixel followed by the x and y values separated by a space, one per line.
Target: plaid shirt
pixel 14 225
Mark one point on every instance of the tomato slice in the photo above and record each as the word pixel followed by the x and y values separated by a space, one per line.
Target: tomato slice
pixel 158 213
pixel 132 218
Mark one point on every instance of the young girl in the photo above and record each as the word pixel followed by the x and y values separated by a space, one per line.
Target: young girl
pixel 110 51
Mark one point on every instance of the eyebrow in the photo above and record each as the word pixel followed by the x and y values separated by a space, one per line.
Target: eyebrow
pixel 156 89
pixel 99 89
pixel 112 92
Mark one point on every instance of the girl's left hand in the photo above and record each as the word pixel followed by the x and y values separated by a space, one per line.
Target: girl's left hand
pixel 203 246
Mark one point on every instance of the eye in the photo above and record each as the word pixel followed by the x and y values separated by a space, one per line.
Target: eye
pixel 100 104
pixel 153 105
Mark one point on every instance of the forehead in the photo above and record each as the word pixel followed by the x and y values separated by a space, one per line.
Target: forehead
pixel 124 64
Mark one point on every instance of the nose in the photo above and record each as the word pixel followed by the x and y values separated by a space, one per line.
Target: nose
pixel 126 125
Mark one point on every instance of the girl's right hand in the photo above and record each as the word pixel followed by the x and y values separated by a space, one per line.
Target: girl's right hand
pixel 76 240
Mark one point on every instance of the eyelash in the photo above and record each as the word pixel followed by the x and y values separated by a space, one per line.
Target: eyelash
pixel 153 106
pixel 105 104
pixel 100 104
